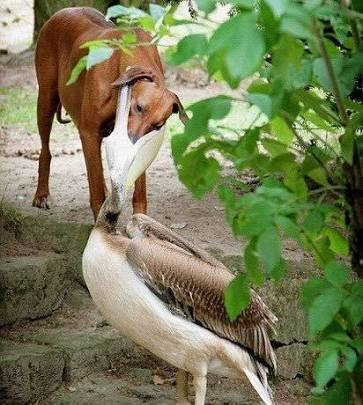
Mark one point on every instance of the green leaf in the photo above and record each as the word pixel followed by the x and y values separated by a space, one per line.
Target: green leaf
pixel 274 148
pixel 98 55
pixel 117 11
pixel 229 45
pixel 278 6
pixel 278 272
pixel 254 272
pixel 338 243
pixel 289 227
pixel 341 392
pixel 350 358
pixel 320 71
pixel 147 23
pixel 348 138
pixel 358 344
pixel 269 248
pixel 244 4
pixel 268 97
pixel 353 304
pixel 294 27
pixel 325 367
pixel 311 290
pixel 322 252
pixel 206 5
pixel 336 274
pixel 262 101
pixel 189 46
pixel 317 120
pixel 77 70
pixel 156 11
pixel 323 309
pixel 314 221
pixel 129 38
pixel 197 126
pixel 281 130
pixel 237 296
pixel 316 103
pixel 319 175
pixel 198 172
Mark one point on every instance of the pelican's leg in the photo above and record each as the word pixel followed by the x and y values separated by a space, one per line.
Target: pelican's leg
pixel 182 387
pixel 200 386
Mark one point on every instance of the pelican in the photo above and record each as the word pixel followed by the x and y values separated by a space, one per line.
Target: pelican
pixel 166 294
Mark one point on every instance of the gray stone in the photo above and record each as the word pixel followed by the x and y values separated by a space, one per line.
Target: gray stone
pixel 291 360
pixel 234 263
pixel 28 372
pixel 95 389
pixel 142 374
pixel 85 351
pixel 283 300
pixel 31 287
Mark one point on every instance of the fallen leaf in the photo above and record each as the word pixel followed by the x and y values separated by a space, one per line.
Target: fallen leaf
pixel 178 226
pixel 157 380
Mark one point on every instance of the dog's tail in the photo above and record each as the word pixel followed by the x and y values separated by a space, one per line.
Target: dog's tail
pixel 59 115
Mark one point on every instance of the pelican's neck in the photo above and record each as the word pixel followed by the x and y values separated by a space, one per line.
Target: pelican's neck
pixel 126 161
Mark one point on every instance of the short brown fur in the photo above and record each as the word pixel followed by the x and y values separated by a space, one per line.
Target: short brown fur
pixel 91 101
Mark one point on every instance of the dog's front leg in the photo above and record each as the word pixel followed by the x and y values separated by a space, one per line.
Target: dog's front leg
pixel 91 142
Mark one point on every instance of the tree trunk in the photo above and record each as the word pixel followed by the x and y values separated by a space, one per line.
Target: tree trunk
pixel 44 9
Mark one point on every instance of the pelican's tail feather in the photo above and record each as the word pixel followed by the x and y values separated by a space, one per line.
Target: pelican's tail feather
pixel 262 391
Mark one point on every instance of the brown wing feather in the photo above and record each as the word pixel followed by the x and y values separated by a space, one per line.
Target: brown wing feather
pixel 142 225
pixel 196 288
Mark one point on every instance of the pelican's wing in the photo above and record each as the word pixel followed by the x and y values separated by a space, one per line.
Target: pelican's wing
pixel 195 289
pixel 143 226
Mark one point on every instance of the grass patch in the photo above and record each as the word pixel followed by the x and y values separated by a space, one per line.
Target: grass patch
pixel 18 107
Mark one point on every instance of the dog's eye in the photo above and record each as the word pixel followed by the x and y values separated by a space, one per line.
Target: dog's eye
pixel 139 108
pixel 158 126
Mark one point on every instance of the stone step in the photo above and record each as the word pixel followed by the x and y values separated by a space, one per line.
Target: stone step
pixel 31 287
pixel 89 350
pixel 28 372
pixel 53 356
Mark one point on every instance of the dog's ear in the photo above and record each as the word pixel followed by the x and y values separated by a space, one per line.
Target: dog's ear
pixel 178 108
pixel 134 74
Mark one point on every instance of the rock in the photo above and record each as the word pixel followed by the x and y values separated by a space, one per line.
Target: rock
pixel 291 360
pixel 234 263
pixel 142 374
pixel 28 372
pixel 31 287
pixel 283 300
pixel 85 351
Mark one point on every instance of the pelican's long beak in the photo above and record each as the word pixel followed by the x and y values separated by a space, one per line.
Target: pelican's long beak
pixel 143 154
pixel 128 161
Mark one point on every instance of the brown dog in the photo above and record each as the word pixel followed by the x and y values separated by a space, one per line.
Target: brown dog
pixel 91 101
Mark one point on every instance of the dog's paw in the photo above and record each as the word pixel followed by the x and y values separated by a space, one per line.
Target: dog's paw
pixel 41 201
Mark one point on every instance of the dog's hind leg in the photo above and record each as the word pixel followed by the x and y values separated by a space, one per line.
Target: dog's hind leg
pixel 48 101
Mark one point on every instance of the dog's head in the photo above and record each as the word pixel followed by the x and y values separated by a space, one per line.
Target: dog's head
pixel 151 102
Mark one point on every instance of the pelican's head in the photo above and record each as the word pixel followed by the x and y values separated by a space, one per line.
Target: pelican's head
pixel 127 161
